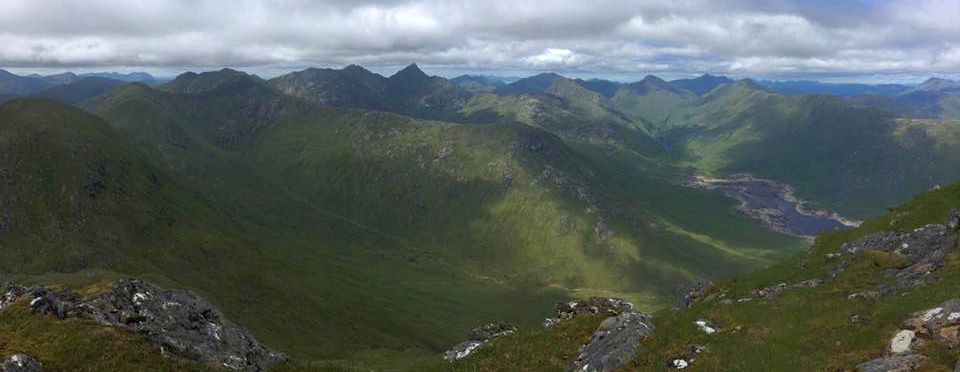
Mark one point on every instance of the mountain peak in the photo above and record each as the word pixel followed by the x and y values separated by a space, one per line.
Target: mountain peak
pixel 411 71
pixel 653 79
pixel 938 84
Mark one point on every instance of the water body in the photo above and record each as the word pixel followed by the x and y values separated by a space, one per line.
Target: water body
pixel 775 205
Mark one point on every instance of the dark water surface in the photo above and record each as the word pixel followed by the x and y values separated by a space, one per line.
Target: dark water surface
pixel 757 194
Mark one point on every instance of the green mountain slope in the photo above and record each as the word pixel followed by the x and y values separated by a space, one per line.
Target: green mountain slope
pixel 845 158
pixel 410 91
pixel 651 99
pixel 758 327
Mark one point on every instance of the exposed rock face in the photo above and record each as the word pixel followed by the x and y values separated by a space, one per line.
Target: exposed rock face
pixel 614 343
pixel 20 363
pixel 477 338
pixel 181 323
pixel 897 363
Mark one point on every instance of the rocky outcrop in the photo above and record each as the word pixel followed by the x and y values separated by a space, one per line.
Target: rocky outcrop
pixel 477 338
pixel 912 255
pixel 596 306
pixel 614 343
pixel 20 363
pixel 896 363
pixel 178 322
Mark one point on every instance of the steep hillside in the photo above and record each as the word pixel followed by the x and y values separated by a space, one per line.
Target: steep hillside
pixel 854 300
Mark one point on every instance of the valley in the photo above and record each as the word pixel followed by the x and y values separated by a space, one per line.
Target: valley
pixel 361 220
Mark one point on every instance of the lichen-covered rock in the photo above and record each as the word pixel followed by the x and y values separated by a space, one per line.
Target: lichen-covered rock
pixel 614 343
pixel 896 363
pixel 478 337
pixel 20 363
pixel 180 323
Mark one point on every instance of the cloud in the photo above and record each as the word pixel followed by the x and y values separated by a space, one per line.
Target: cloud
pixel 747 37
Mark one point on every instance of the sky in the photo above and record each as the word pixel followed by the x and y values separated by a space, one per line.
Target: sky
pixel 829 40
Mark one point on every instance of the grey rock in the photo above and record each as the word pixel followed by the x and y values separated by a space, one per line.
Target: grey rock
pixel 11 293
pixel 953 221
pixel 811 283
pixel 180 323
pixel 614 343
pixel 20 363
pixel 897 363
pixel 58 304
pixel 476 338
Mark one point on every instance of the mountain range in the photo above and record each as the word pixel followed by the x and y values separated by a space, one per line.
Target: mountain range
pixel 360 220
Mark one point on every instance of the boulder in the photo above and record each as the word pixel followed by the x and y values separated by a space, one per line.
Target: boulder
pixel 902 341
pixel 614 343
pixel 896 363
pixel 180 323
pixel 20 363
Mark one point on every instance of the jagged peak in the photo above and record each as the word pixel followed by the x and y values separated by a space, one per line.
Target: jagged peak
pixel 411 71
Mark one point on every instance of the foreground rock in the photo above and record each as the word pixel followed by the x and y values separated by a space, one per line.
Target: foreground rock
pixel 614 343
pixel 477 338
pixel 180 323
pixel 20 363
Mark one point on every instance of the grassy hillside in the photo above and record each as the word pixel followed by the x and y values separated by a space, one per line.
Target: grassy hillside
pixel 801 330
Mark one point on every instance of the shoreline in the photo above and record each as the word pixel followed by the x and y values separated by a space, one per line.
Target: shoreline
pixel 732 186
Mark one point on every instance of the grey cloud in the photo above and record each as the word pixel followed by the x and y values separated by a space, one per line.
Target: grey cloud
pixel 603 36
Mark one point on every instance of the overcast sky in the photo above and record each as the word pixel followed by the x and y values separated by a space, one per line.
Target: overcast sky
pixel 623 39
